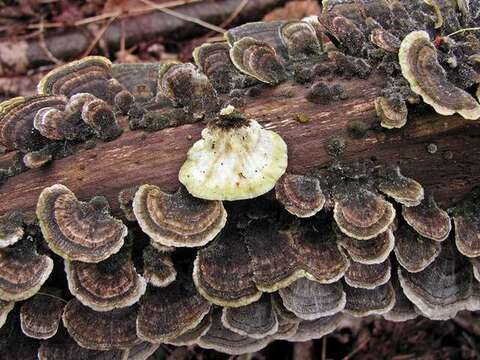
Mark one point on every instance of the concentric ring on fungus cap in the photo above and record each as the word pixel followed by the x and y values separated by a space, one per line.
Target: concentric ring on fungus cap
pixel 78 230
pixel 178 219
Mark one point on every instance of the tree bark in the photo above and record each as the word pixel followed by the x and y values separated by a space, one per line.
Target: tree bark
pixel 137 157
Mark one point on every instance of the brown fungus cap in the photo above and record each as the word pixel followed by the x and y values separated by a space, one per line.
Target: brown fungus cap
pixel 257 59
pixel 158 268
pixel 178 219
pixel 257 320
pixel 404 309
pixel 466 219
pixel 363 215
pixel 101 330
pixel 37 159
pixel 414 252
pixel 5 308
pixel 187 87
pixel 100 116
pixel 11 229
pixel 22 271
pixel 444 287
pixel 78 230
pixel 224 340
pixel 365 302
pixel 17 117
pixel 385 40
pixel 139 79
pixel 427 78
pixel 373 251
pixel 190 337
pixel 214 61
pixel 62 347
pixel 301 195
pixel 310 300
pixel 368 276
pixel 166 313
pixel 40 315
pixel 300 39
pixel 222 272
pixel 125 200
pixel 316 329
pixel 402 189
pixel 107 285
pixel 392 111
pixel 428 219
pixel 287 321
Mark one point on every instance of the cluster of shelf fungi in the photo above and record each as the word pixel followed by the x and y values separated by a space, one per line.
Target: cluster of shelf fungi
pixel 244 253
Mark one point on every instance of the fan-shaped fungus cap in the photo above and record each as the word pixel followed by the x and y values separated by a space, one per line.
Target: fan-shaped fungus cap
pixel 166 313
pixel 300 39
pixel 257 59
pixel 368 276
pixel 104 286
pixel 317 253
pixel 414 252
pixel 402 189
pixel 158 268
pixel 16 121
pixel 11 229
pixel 256 320
pixel 363 215
pixel 373 251
pixel 5 308
pixel 444 287
pixel 190 337
pixel 77 230
pixel 222 272
pixel 392 111
pixel 385 40
pixel 235 159
pixel 125 201
pixel 427 78
pixel 404 309
pixel 316 329
pixel 99 115
pixel 36 159
pixel 214 61
pixel 22 271
pixel 187 87
pixel 287 321
pixel 87 75
pixel 40 316
pixel 224 340
pixel 301 195
pixel 178 219
pixel 101 330
pixel 139 79
pixel 62 347
pixel 428 219
pixel 467 225
pixel 365 302
pixel 311 300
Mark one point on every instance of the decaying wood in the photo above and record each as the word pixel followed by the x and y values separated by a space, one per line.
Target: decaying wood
pixel 137 157
pixel 19 55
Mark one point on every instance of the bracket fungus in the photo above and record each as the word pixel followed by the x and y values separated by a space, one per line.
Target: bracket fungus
pixel 40 316
pixel 257 320
pixel 300 39
pixel 107 285
pixel 169 312
pixel 22 271
pixel 363 215
pixel 368 276
pixel 364 302
pixel 467 225
pixel 178 219
pixel 300 195
pixel 402 189
pixel 392 111
pixel 235 159
pixel 420 66
pixel 11 229
pixel 372 251
pixel 316 329
pixel 190 337
pixel 310 300
pixel 106 330
pixel 158 268
pixel 428 219
pixel 78 230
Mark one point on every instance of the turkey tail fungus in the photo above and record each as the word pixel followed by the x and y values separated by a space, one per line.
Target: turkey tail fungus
pixel 271 188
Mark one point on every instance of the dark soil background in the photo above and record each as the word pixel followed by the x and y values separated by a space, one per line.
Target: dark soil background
pixel 35 35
